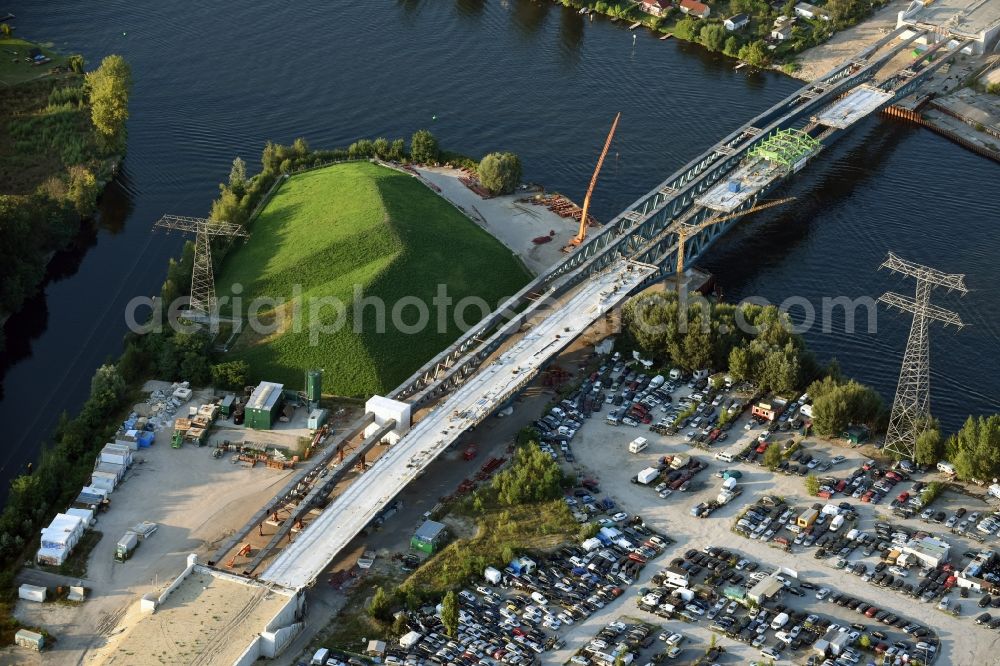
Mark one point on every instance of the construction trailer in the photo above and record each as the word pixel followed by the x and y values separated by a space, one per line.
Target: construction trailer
pixel 429 537
pixel 264 406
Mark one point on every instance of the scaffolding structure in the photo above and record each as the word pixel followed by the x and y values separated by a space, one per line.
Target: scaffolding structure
pixel 911 408
pixel 786 148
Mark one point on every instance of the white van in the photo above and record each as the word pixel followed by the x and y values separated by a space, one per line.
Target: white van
pixel 724 456
pixel 637 445
pixel 675 374
pixel 780 621
pixel 320 657
pixel 946 468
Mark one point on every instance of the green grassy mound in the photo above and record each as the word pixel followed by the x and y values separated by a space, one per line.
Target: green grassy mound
pixel 359 224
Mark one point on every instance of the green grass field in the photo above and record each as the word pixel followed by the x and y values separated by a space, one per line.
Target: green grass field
pixel 13 67
pixel 360 224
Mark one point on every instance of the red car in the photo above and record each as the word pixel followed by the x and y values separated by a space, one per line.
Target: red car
pixel 903 497
pixel 871 612
pixel 840 486
pixel 867 497
pixel 762 447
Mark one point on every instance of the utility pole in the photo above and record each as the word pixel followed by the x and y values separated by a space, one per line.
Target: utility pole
pixel 911 407
pixel 203 276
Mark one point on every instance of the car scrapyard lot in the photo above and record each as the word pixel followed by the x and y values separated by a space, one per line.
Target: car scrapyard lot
pixel 870 608
pixel 673 575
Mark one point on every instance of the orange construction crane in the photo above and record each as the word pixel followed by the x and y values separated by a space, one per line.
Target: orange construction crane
pixel 685 230
pixel 582 234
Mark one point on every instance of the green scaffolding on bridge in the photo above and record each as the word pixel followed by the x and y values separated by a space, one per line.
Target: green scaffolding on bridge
pixel 786 147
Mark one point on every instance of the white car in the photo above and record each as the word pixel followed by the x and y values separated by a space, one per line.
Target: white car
pixel 899 571
pixel 619 517
pixel 836 460
pixel 822 593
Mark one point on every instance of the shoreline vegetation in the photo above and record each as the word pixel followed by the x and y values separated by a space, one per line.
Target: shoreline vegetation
pixel 67 455
pixel 62 137
pixel 755 43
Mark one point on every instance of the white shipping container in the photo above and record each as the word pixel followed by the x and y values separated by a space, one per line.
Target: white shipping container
pixel 31 593
pixel 86 515
pixel 52 556
pixel 104 481
pixel 111 468
pixel 116 454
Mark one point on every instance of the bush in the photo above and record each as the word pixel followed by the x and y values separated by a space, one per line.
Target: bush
pixel 812 485
pixel 230 375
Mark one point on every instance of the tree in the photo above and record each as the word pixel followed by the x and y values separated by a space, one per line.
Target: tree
pixel 865 642
pixel 109 87
pixel 449 614
pixel 300 147
pixel 398 150
pixel 5 30
pixel 687 29
pixel 424 147
pixel 772 456
pixel 107 389
pixel 755 54
pixel 975 449
pixel 533 477
pixel 500 173
pixel 845 404
pixel 238 176
pixel 75 63
pixel 83 190
pixel 378 608
pixel 732 46
pixel 929 447
pixel 812 484
pixel 712 36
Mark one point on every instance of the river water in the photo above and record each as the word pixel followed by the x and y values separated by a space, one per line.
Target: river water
pixel 216 79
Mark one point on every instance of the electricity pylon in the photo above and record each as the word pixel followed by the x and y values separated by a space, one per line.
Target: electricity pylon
pixel 203 276
pixel 911 408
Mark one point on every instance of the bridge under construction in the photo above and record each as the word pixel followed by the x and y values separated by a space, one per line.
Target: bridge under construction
pixel 498 357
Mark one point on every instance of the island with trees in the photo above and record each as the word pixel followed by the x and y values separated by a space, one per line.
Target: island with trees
pixel 65 137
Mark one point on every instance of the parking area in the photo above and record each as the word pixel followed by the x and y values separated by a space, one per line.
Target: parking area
pixel 868 530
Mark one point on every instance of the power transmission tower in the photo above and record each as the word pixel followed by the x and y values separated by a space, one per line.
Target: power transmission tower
pixel 203 276
pixel 911 407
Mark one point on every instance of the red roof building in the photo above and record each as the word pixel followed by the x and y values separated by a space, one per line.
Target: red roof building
pixel 695 8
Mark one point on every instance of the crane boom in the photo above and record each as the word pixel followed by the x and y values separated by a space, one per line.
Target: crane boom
pixel 684 230
pixel 582 233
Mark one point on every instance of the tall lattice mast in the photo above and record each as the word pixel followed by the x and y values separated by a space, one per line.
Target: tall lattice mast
pixel 203 276
pixel 911 407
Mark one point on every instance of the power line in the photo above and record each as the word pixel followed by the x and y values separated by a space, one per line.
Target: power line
pixel 203 276
pixel 911 406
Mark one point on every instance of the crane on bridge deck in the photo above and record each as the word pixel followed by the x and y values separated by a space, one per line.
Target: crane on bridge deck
pixel 582 233
pixel 685 230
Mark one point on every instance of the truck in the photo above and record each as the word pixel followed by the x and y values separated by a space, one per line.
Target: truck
pixel 637 445
pixel 126 546
pixel 648 475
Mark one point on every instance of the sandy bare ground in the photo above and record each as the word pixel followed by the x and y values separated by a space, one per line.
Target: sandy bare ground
pixel 818 60
pixel 513 224
pixel 196 500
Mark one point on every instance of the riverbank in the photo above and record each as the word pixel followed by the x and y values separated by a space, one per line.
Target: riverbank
pixel 818 60
pixel 61 141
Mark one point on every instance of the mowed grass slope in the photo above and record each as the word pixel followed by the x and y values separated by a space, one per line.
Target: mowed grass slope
pixel 360 224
